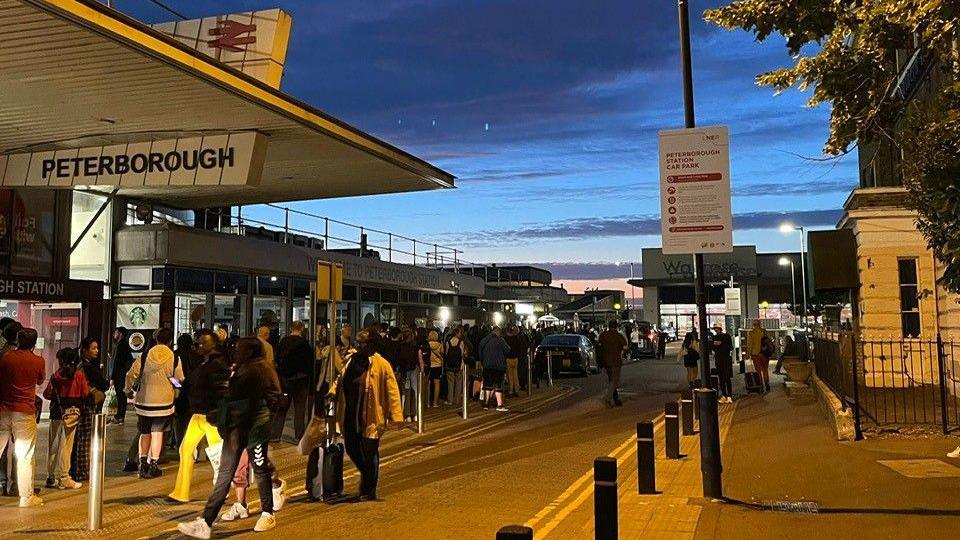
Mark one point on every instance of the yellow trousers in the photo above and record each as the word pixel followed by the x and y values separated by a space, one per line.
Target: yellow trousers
pixel 513 375
pixel 197 429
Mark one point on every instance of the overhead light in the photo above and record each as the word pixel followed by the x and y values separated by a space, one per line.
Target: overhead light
pixel 273 278
pixel 444 315
pixel 787 228
pixel 497 318
pixel 784 261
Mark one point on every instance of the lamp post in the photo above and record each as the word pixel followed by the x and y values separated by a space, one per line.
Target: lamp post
pixel 787 261
pixel 788 228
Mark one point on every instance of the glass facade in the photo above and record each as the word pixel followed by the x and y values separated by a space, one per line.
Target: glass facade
pixel 91 259
pixel 27 232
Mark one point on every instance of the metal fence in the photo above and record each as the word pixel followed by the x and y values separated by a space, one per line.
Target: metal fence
pixel 893 382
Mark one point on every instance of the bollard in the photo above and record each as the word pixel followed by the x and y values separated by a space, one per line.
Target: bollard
pixel 466 383
pixel 671 429
pixel 686 411
pixel 420 385
pixel 515 532
pixel 711 467
pixel 646 459
pixel 605 498
pixel 97 454
pixel 696 408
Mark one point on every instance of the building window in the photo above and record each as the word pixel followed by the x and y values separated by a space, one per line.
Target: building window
pixel 909 297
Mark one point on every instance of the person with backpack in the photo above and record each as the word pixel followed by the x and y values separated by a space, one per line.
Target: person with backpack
pixel 67 391
pixel 155 380
pixel 454 355
pixel 244 422
pixel 435 361
pixel 295 359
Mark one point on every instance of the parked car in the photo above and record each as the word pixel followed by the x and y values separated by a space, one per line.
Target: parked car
pixel 571 353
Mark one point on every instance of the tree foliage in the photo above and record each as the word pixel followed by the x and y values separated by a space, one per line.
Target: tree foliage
pixel 845 52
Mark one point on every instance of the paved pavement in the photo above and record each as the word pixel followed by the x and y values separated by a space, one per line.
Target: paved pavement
pixel 460 479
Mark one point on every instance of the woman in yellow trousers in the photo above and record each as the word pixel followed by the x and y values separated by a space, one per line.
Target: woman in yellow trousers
pixel 205 385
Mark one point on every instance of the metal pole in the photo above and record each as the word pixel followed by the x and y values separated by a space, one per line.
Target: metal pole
pixel 855 354
pixel 793 283
pixel 286 225
pixel 326 233
pixel 97 454
pixel 803 272
pixel 550 369
pixel 530 359
pixel 390 248
pixel 466 378
pixel 711 467
pixel 420 384
pixel 943 383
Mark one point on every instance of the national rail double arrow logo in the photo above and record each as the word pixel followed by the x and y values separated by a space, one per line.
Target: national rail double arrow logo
pixel 229 35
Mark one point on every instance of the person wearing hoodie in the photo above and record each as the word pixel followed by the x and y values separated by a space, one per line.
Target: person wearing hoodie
pixel 154 380
pixel 493 353
pixel 244 421
pixel 368 398
pixel 68 392
pixel 205 385
pixel 435 362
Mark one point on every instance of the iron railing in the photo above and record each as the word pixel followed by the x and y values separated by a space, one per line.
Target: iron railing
pixel 289 225
pixel 892 382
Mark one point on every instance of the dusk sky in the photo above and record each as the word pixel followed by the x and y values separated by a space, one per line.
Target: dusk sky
pixel 548 112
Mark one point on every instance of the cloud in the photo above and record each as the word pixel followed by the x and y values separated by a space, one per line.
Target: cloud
pixel 793 188
pixel 633 225
pixel 565 270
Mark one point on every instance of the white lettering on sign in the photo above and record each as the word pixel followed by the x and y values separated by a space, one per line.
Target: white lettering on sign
pixel 30 287
pixel 228 159
pixel 695 210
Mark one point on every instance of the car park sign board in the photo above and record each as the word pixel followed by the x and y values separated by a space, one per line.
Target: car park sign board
pixel 695 211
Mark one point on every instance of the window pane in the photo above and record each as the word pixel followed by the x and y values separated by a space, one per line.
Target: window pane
pixel 229 311
pixel 90 259
pixel 370 294
pixel 271 312
pixel 135 279
pixel 389 295
pixel 191 313
pixel 163 278
pixel 911 324
pixel 273 285
pixel 194 280
pixel 908 271
pixel 232 283
pixel 908 298
pixel 33 229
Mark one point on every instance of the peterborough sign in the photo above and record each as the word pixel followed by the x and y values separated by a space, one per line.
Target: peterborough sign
pixel 216 160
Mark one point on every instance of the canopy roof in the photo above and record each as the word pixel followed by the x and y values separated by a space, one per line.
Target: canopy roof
pixel 74 73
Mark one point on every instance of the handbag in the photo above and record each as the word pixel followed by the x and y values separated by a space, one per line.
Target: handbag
pixel 313 436
pixel 70 416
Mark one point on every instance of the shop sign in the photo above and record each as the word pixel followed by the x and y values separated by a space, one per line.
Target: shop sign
pixel 31 287
pixel 137 316
pixel 230 159
pixel 731 300
pixel 695 208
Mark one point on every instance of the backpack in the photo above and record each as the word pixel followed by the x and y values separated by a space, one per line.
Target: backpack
pixel 453 357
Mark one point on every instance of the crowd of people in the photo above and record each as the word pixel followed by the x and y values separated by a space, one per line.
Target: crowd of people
pixel 230 397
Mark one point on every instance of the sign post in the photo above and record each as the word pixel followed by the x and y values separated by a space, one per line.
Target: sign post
pixel 696 218
pixel 330 290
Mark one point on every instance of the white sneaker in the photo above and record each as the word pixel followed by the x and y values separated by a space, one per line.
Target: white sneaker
pixel 278 497
pixel 502 409
pixel 955 453
pixel 197 528
pixel 237 511
pixel 30 502
pixel 68 483
pixel 265 523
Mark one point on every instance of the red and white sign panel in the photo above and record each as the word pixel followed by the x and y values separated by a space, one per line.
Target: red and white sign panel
pixel 695 213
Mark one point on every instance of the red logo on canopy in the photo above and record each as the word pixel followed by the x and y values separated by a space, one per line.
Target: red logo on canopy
pixel 229 35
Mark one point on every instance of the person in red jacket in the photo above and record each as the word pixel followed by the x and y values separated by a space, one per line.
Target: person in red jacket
pixel 21 371
pixel 68 391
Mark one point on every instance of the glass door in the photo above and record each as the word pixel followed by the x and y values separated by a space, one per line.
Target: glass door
pixel 58 326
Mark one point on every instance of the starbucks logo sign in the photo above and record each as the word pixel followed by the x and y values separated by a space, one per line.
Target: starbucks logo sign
pixel 138 316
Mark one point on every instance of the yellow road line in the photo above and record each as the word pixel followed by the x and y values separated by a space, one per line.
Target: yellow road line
pixel 579 484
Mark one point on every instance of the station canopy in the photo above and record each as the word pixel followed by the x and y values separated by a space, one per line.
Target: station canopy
pixel 76 76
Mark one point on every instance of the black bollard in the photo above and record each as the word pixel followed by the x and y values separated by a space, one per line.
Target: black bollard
pixel 711 466
pixel 515 532
pixel 686 411
pixel 605 498
pixel 671 429
pixel 646 459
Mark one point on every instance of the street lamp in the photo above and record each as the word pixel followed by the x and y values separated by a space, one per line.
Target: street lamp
pixel 788 228
pixel 787 261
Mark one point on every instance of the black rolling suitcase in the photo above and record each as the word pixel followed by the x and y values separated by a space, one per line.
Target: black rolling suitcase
pixel 325 471
pixel 753 382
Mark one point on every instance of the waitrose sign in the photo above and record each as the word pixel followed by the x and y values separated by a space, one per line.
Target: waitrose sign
pixel 230 159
